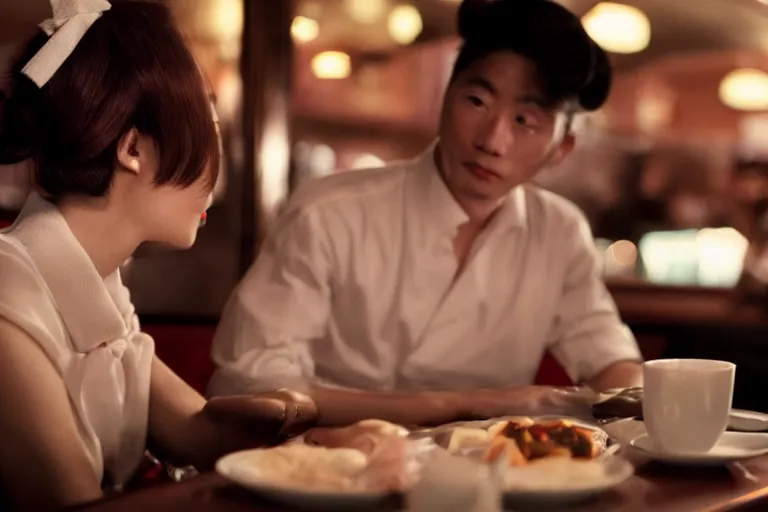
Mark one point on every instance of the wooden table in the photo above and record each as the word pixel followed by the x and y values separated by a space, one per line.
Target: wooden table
pixel 663 488
pixel 655 488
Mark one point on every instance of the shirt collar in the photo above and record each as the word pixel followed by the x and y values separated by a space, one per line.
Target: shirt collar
pixel 94 310
pixel 432 196
pixel 514 213
pixel 445 214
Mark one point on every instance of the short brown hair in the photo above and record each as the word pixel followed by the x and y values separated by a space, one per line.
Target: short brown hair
pixel 131 69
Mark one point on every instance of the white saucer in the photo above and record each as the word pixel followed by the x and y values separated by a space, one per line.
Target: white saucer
pixel 748 421
pixel 731 447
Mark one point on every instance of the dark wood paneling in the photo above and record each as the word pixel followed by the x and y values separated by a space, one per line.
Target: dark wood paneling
pixel 266 65
pixel 199 281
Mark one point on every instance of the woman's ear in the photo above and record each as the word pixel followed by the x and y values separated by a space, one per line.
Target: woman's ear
pixel 563 150
pixel 128 152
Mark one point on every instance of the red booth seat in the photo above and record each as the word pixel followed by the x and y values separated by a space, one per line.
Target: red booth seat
pixel 551 373
pixel 186 349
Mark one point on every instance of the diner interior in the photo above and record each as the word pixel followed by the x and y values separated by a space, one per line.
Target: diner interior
pixel 672 173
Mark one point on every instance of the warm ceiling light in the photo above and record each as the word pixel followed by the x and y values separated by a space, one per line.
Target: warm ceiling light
pixel 745 89
pixel 304 29
pixel 331 65
pixel 365 11
pixel 618 28
pixel 226 20
pixel 405 24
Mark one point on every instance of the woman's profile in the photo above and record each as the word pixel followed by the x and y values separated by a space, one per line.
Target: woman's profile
pixel 112 108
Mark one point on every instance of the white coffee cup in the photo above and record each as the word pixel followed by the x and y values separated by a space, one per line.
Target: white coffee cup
pixel 686 403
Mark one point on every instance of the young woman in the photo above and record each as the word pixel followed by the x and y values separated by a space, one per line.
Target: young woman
pixel 113 110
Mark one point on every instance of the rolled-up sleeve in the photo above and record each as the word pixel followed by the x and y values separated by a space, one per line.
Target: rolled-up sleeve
pixel 281 306
pixel 588 335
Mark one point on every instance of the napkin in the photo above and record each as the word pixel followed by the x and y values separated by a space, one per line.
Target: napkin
pixel 451 483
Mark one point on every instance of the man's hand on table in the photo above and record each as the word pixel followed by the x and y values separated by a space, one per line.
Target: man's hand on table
pixel 626 403
pixel 529 401
pixel 561 401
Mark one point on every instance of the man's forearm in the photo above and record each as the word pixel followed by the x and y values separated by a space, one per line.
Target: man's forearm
pixel 339 407
pixel 344 406
pixel 623 374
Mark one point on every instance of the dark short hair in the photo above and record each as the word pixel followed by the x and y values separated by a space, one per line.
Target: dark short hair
pixel 571 66
pixel 130 69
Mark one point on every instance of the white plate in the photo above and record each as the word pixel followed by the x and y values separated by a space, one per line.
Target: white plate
pixel 243 469
pixel 599 435
pixel 617 470
pixel 733 446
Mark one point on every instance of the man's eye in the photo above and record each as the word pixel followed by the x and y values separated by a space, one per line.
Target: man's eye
pixel 526 121
pixel 474 100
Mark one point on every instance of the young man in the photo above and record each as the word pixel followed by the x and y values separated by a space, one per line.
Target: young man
pixel 430 290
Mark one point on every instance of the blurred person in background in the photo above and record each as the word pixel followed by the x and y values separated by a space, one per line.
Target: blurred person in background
pixel 749 215
pixel 111 107
pixel 429 290
pixel 746 210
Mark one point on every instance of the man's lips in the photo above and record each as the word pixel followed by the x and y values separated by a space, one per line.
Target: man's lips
pixel 481 172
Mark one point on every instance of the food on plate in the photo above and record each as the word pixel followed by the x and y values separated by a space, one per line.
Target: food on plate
pixel 548 439
pixel 556 474
pixel 390 453
pixel 503 446
pixel 366 435
pixel 458 438
pixel 522 422
pixel 370 456
pixel 392 467
pixel 300 465
pixel 522 439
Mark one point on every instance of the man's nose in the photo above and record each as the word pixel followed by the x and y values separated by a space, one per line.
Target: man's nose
pixel 495 137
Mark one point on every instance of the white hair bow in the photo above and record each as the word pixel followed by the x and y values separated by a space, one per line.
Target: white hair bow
pixel 71 20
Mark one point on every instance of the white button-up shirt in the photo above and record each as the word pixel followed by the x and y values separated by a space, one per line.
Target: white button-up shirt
pixel 357 287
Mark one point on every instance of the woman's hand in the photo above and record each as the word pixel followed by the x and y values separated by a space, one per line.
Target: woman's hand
pixel 185 429
pixel 278 414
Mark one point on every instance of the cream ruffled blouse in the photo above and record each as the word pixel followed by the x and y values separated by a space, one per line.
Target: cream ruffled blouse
pixel 88 327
